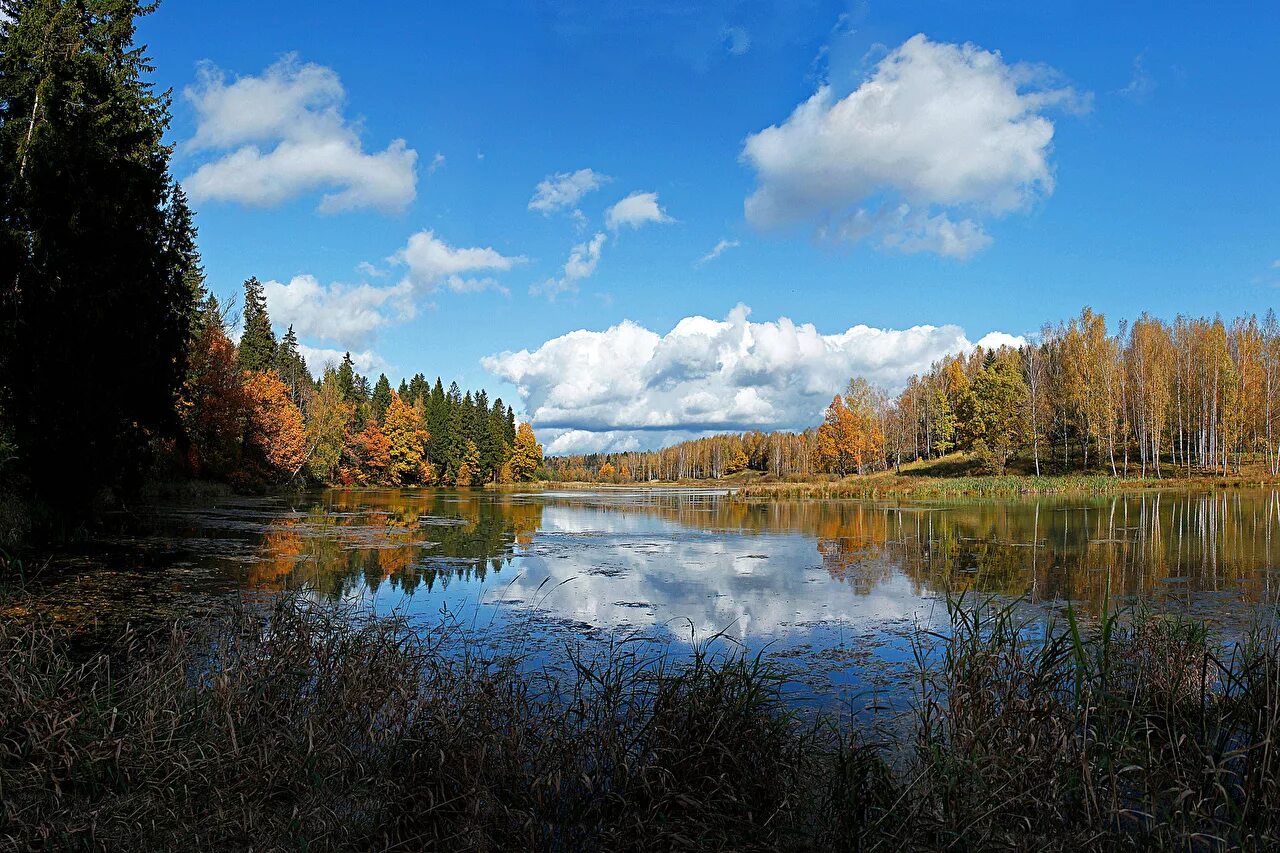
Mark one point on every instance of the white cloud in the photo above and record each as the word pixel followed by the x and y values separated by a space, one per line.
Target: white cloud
pixel 432 263
pixel 1275 265
pixel 636 210
pixel 1141 83
pixel 437 162
pixel 718 250
pixel 629 385
pixel 348 315
pixel 351 315
pixel 583 259
pixel 936 126
pixel 282 134
pixel 563 190
pixel 318 358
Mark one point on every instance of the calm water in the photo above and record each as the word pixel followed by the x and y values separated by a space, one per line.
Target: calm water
pixel 835 586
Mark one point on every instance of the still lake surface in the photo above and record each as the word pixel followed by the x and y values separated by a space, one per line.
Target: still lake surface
pixel 836 588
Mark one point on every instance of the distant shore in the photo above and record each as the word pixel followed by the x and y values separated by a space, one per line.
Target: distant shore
pixel 949 476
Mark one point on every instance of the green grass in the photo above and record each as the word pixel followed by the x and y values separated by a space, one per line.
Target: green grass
pixel 297 727
pixel 927 487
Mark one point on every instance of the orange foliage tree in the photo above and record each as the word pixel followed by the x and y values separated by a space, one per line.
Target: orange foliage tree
pixel 213 405
pixel 368 453
pixel 850 438
pixel 275 436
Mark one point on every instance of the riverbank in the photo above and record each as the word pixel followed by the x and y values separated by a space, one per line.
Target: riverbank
pixel 299 726
pixel 954 475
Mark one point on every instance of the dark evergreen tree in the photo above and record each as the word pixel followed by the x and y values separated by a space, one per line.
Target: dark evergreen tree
pixel 347 379
pixel 98 266
pixel 381 397
pixel 418 389
pixel 437 419
pixel 511 426
pixel 258 343
pixel 404 390
pixel 292 367
pixel 496 436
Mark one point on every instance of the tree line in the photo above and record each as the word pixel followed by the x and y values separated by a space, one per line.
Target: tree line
pixel 1195 396
pixel 254 415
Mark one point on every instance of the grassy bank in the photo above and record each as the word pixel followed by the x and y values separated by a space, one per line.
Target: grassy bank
pixel 299 728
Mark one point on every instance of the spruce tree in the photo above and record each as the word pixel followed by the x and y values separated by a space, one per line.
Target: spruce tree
pixel 292 367
pixel 257 350
pixel 98 266
pixel 347 379
pixel 381 397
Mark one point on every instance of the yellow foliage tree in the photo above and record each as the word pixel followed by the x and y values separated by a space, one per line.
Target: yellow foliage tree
pixel 850 438
pixel 526 455
pixel 608 472
pixel 469 468
pixel 407 440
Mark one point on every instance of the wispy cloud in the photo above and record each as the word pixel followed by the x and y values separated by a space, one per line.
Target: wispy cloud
pixel 718 250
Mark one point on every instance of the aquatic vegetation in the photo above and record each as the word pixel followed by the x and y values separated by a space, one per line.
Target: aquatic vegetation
pixel 301 726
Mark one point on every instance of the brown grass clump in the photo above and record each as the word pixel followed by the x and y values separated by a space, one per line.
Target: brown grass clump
pixel 300 727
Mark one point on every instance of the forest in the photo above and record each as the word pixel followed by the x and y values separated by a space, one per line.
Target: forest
pixel 253 415
pixel 101 285
pixel 1154 399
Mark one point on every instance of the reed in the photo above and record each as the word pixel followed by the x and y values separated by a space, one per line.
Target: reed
pixel 296 726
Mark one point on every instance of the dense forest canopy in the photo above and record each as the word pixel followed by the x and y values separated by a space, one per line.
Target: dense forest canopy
pixel 1198 395
pixel 254 415
pixel 98 266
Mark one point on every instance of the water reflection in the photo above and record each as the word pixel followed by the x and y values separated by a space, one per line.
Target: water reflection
pixel 692 563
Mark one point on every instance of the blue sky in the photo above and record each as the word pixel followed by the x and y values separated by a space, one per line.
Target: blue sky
pixel 933 171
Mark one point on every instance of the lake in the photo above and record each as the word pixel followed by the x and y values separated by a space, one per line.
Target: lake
pixel 835 588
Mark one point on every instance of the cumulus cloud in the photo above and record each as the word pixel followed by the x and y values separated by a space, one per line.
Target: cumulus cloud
pixel 431 263
pixel 635 210
pixel 936 127
pixel 348 315
pixel 563 190
pixel 282 134
pixel 626 386
pixel 583 259
pixel 717 250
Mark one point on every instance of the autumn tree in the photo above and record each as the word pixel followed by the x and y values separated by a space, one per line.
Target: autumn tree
pixel 329 419
pixel 275 437
pixel 526 455
pixel 851 439
pixel 407 439
pixel 213 406
pixel 468 473
pixel 369 452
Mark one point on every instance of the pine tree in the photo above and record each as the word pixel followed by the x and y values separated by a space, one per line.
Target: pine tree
pixel 257 350
pixel 381 397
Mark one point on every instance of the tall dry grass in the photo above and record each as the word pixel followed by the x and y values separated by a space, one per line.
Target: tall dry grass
pixel 300 727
